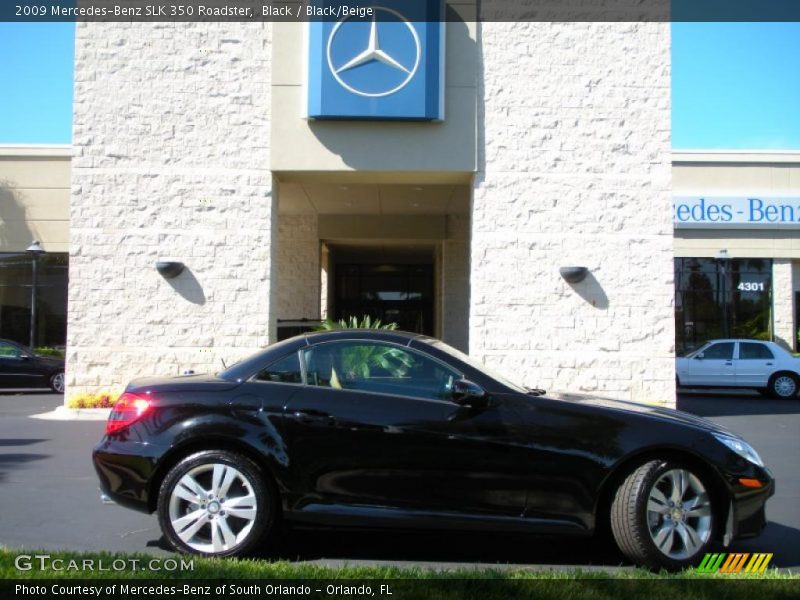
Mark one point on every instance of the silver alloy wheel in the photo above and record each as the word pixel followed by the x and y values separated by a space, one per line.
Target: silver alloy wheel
pixel 58 383
pixel 212 508
pixel 785 386
pixel 679 514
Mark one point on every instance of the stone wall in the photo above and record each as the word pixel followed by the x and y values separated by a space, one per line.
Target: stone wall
pixel 172 158
pixel 455 282
pixel 298 264
pixel 574 169
pixel 171 141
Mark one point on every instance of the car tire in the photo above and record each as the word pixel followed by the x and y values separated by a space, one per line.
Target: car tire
pixel 216 503
pixel 651 532
pixel 57 383
pixel 783 385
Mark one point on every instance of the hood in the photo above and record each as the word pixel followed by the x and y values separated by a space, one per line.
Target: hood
pixel 181 383
pixel 645 410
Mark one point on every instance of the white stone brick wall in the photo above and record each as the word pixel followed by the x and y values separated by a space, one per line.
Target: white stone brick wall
pixel 171 136
pixel 783 288
pixel 298 256
pixel 574 169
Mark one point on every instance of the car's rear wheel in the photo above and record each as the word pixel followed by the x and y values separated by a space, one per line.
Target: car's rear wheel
pixel 57 383
pixel 783 385
pixel 215 503
pixel 662 516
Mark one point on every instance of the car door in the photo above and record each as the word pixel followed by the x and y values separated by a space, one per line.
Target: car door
pixel 376 426
pixel 18 368
pixel 754 365
pixel 712 367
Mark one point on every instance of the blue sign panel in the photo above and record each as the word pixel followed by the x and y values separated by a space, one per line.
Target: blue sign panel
pixel 384 65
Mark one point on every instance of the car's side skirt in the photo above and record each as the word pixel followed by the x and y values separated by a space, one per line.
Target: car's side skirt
pixel 345 515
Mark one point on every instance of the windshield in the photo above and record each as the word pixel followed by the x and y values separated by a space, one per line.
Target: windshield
pixel 697 351
pixel 477 365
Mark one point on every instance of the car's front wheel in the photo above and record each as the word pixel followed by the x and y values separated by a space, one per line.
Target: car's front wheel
pixel 215 503
pixel 783 385
pixel 57 383
pixel 662 516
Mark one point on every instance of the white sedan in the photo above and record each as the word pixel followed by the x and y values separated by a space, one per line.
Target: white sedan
pixel 763 366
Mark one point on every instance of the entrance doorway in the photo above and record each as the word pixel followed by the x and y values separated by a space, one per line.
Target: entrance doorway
pixel 722 298
pixel 386 248
pixel 395 285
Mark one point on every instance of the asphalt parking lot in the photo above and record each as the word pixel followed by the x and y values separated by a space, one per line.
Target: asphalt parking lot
pixel 50 498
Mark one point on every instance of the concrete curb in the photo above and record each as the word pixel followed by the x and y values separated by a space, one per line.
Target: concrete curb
pixel 62 413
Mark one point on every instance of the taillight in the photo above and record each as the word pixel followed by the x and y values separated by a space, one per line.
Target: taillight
pixel 128 409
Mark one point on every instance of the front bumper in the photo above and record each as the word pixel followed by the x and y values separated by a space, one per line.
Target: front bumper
pixel 748 511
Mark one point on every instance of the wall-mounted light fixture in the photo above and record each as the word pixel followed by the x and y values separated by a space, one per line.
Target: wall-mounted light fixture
pixel 169 269
pixel 573 274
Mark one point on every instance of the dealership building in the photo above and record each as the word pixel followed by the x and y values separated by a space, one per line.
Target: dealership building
pixel 507 187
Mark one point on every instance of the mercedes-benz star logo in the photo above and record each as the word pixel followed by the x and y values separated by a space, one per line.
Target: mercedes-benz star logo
pixel 374 53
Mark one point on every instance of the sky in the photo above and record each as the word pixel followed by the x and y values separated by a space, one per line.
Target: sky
pixel 36 82
pixel 734 85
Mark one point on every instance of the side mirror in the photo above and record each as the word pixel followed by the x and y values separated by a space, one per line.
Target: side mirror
pixel 700 356
pixel 467 393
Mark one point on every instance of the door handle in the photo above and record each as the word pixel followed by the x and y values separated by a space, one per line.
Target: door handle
pixel 728 363
pixel 769 364
pixel 312 416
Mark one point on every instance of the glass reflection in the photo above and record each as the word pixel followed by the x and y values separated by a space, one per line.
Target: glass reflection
pixel 721 298
pixel 51 298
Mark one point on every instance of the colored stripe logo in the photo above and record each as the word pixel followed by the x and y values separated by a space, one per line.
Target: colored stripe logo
pixel 735 562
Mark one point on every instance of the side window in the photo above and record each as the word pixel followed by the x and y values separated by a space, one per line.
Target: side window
pixel 750 351
pixel 379 368
pixel 721 351
pixel 283 370
pixel 9 351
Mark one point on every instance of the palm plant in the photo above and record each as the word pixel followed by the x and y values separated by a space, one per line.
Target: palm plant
pixel 353 322
pixel 359 359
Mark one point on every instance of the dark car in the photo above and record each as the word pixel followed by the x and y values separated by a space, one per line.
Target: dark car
pixel 396 430
pixel 21 367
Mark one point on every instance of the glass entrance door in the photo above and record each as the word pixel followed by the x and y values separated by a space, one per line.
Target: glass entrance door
pixel 393 293
pixel 730 298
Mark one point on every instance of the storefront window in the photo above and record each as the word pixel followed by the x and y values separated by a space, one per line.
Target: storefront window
pixel 721 298
pixel 16 279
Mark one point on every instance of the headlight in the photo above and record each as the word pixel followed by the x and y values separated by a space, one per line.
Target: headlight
pixel 741 448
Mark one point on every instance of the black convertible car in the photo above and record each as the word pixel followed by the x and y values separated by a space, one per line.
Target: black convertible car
pixel 388 429
pixel 21 367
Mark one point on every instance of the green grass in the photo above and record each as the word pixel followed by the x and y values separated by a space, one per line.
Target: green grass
pixel 214 568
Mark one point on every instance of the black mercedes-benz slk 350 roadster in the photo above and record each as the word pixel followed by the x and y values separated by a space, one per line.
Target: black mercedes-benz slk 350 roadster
pixel 387 429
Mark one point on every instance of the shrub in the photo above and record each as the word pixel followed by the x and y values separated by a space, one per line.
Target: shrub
pixel 353 323
pixel 47 351
pixel 92 400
